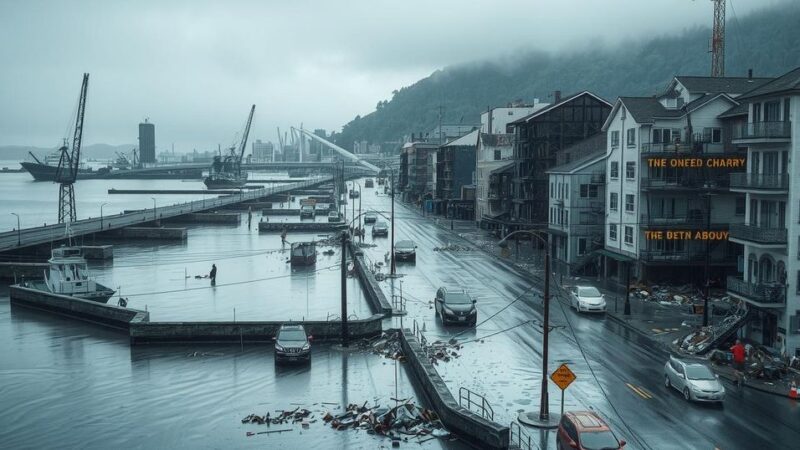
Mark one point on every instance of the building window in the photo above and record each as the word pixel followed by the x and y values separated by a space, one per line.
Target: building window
pixel 716 135
pixel 631 137
pixel 629 202
pixel 552 190
pixel 566 218
pixel 614 170
pixel 628 235
pixel 612 232
pixel 588 191
pixel 566 191
pixel 615 138
pixel 581 246
pixel 497 155
pixel 740 206
pixel 630 170
pixel 612 204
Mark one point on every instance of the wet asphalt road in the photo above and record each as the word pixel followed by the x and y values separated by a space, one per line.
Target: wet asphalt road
pixel 618 374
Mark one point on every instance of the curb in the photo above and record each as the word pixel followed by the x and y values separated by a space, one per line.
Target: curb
pixel 751 386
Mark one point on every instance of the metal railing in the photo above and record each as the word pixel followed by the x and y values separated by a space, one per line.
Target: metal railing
pixel 520 437
pixel 771 293
pixel 763 130
pixel 666 147
pixel 778 181
pixel 694 180
pixel 754 233
pixel 479 402
pixel 688 218
pixel 417 331
pixel 684 256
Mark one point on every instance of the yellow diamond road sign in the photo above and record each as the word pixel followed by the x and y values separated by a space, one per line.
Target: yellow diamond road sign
pixel 563 377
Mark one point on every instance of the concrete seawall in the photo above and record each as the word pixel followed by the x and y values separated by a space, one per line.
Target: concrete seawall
pixel 280 212
pixel 221 332
pixel 110 316
pixel 18 270
pixel 178 234
pixel 369 284
pixel 300 226
pixel 454 417
pixel 216 218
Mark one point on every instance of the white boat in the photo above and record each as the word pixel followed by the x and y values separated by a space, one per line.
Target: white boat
pixel 68 275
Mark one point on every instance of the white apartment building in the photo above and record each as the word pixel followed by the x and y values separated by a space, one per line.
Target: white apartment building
pixel 770 233
pixel 496 120
pixel 263 151
pixel 494 171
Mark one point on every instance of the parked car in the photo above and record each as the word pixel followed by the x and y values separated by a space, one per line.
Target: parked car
pixel 585 430
pixel 368 183
pixel 405 251
pixel 333 216
pixel 456 306
pixel 380 229
pixel 694 380
pixel 307 212
pixel 292 344
pixel 587 299
pixel 370 217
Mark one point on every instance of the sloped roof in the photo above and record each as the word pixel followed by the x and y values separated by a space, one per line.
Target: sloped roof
pixel 579 163
pixel 646 109
pixel 787 82
pixel 728 85
pixel 738 110
pixel 546 109
pixel 497 140
pixel 469 139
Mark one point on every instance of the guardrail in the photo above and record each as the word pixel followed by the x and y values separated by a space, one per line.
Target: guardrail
pixel 760 130
pixel 519 437
pixel 480 403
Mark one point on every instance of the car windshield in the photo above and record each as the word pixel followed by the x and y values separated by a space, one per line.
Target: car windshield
pixel 404 245
pixel 292 335
pixel 598 440
pixel 380 224
pixel 371 215
pixel 588 292
pixel 459 298
pixel 699 372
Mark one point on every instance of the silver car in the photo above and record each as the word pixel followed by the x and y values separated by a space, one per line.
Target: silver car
pixel 694 380
pixel 588 299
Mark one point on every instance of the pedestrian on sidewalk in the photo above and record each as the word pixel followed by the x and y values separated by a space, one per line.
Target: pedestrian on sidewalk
pixel 213 274
pixel 739 362
pixel 249 216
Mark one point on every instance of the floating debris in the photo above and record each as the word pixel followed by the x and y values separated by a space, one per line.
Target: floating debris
pixel 404 419
pixel 452 248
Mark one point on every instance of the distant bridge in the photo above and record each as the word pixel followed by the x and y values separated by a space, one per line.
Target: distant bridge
pixel 196 170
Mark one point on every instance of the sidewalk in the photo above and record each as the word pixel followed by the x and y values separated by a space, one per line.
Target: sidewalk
pixel 659 324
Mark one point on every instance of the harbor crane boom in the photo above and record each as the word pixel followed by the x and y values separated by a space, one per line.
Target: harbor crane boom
pixel 340 150
pixel 244 142
pixel 68 163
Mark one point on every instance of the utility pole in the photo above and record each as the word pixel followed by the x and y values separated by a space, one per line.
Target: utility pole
pixel 544 405
pixel 344 290
pixel 391 247
pixel 706 269
pixel 627 289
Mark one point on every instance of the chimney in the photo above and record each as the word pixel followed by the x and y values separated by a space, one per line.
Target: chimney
pixel 489 113
pixel 750 74
pixel 556 96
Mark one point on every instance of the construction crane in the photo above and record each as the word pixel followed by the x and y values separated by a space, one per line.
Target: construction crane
pixel 68 163
pixel 718 40
pixel 243 144
pixel 227 172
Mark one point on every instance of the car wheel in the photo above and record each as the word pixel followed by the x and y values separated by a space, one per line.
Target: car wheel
pixel 686 394
pixel 666 382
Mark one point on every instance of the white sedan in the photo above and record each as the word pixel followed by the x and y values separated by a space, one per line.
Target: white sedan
pixel 587 299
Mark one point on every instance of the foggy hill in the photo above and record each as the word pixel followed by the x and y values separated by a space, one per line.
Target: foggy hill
pixel 767 41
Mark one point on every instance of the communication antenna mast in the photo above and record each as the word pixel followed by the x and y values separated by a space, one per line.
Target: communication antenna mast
pixel 718 40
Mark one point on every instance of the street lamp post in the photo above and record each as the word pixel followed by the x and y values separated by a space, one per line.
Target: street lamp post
pixel 101 215
pixel 544 418
pixel 19 235
pixel 154 208
pixel 391 247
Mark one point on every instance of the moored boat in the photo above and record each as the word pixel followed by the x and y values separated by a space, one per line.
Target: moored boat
pixel 304 253
pixel 68 275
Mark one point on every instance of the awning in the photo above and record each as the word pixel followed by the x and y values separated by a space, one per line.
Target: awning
pixel 503 168
pixel 615 256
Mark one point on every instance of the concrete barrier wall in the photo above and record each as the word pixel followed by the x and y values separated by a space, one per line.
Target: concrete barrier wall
pixel 97 251
pixel 111 316
pixel 454 417
pixel 220 332
pixel 280 212
pixel 149 233
pixel 299 226
pixel 369 285
pixel 18 270
pixel 220 218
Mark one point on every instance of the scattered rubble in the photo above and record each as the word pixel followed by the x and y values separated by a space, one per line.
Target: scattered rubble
pixel 387 345
pixel 404 419
pixel 284 417
pixel 442 351
pixel 452 248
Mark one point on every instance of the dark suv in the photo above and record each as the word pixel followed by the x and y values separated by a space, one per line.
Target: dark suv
pixel 405 251
pixel 292 344
pixel 456 306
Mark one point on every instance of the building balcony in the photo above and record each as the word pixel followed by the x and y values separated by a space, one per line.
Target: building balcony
pixel 692 218
pixel 686 181
pixel 760 181
pixel 763 131
pixel 758 235
pixel 765 295
pixel 660 257
pixel 669 147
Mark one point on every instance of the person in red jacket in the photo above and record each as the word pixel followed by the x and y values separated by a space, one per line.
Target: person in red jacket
pixel 738 360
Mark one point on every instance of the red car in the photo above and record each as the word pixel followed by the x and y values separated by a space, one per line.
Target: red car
pixel 585 430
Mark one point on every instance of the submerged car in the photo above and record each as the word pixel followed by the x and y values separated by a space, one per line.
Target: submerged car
pixel 333 216
pixel 587 299
pixel 292 344
pixel 456 306
pixel 380 229
pixel 585 430
pixel 694 380
pixel 354 194
pixel 405 251
pixel 307 212
pixel 370 217
pixel 368 183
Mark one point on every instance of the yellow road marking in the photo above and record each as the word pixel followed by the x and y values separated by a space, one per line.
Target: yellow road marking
pixel 641 392
pixel 658 330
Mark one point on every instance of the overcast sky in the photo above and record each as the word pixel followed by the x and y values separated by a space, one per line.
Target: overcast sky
pixel 194 68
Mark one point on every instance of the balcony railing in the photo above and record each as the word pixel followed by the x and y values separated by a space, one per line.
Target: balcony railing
pixel 763 130
pixel 692 218
pixel 686 181
pixel 770 293
pixel 757 234
pixel 684 256
pixel 669 147
pixel 778 181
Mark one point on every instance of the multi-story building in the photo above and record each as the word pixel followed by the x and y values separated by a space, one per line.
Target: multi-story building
pixel 445 133
pixel 455 168
pixel 540 137
pixel 667 171
pixel 415 165
pixel 494 173
pixel 263 151
pixel 576 219
pixel 770 233
pixel 147 142
pixel 496 120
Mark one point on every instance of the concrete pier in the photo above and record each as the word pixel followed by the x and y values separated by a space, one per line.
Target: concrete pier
pixel 18 270
pixel 98 251
pixel 178 191
pixel 149 233
pixel 298 226
pixel 280 212
pixel 217 218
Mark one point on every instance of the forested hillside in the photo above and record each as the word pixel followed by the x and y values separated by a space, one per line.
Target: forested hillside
pixel 767 41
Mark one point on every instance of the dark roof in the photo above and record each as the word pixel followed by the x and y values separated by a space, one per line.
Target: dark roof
pixel 728 85
pixel 547 109
pixel 497 140
pixel 645 109
pixel 787 82
pixel 738 110
pixel 572 165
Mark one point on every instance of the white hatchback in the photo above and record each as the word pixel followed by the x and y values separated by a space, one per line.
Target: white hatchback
pixel 587 299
